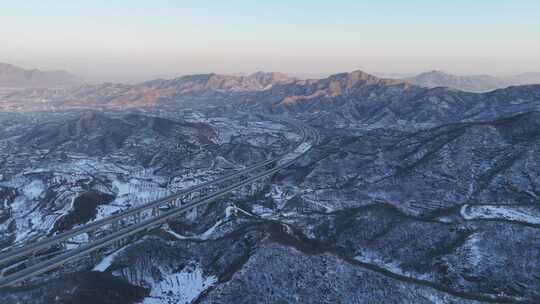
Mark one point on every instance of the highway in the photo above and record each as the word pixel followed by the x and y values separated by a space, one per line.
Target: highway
pixel 196 196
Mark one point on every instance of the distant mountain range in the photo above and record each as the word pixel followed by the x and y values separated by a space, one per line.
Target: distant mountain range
pixel 217 82
pixel 362 100
pixel 527 78
pixel 15 77
pixel 115 95
pixel 394 161
pixel 347 99
pixel 471 83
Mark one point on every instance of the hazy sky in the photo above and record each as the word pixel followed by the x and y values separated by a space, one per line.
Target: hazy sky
pixel 120 40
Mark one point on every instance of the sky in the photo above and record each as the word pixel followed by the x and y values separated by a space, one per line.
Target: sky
pixel 136 40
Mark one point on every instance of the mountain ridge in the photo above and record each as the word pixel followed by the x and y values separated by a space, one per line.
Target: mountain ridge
pixel 17 77
pixel 479 83
pixel 355 97
pixel 470 83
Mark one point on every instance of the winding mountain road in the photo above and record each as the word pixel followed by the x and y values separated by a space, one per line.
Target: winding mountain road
pixel 161 211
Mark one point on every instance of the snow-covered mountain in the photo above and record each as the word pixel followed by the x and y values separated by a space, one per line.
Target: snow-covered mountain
pixel 412 195
pixel 150 93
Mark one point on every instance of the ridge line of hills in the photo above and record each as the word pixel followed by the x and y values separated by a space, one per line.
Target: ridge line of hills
pixel 12 76
pixel 17 77
pixel 356 97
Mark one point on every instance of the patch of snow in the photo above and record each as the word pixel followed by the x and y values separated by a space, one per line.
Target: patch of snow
pixel 34 189
pixel 313 198
pixel 230 210
pixel 181 288
pixel 391 266
pixel 208 233
pixel 77 240
pixel 474 252
pixel 176 235
pixel 203 236
pixel 33 217
pixel 299 150
pixel 526 214
pixel 262 211
pixel 280 194
pixel 107 261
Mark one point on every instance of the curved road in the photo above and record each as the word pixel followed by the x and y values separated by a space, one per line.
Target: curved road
pixel 236 180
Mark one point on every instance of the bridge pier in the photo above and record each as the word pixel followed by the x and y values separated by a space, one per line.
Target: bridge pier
pixel 249 189
pixel 155 211
pixel 203 191
pixel 137 217
pixel 94 257
pixel 91 235
pixel 30 259
pixel 118 243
